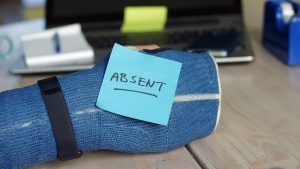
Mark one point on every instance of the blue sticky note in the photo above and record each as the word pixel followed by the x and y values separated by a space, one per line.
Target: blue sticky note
pixel 139 85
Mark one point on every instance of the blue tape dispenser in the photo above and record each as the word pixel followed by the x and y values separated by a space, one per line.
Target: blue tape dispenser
pixel 281 32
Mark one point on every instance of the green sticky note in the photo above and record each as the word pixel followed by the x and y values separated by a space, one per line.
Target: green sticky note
pixel 144 19
pixel 139 85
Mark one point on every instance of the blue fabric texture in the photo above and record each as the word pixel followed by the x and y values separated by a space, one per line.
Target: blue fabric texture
pixel 26 136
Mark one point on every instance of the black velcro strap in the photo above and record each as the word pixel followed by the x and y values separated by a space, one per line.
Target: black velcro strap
pixel 60 119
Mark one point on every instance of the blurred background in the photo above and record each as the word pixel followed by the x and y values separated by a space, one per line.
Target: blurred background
pixel 13 13
pixel 18 10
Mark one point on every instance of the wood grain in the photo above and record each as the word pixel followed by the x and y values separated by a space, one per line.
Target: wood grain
pixel 176 159
pixel 259 126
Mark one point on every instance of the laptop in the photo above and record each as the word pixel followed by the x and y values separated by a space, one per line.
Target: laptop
pixel 192 25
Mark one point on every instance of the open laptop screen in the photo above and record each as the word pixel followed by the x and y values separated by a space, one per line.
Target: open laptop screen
pixel 65 11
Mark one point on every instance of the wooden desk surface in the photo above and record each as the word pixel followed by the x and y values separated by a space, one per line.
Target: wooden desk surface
pixel 259 125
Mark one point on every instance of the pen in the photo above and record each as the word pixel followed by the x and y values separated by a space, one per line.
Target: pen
pixel 56 42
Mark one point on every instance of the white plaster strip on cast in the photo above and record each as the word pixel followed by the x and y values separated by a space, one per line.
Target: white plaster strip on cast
pixel 179 98
pixel 195 97
pixel 198 97
pixel 220 91
pixel 89 110
pixel 16 126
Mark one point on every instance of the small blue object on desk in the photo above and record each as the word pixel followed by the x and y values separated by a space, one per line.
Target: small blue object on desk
pixel 281 33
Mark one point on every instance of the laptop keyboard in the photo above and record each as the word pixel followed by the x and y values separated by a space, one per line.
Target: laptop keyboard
pixel 170 38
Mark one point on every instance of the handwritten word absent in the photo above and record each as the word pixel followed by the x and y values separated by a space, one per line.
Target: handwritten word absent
pixel 141 81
